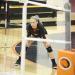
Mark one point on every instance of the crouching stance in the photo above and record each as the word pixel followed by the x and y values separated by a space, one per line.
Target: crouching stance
pixel 37 30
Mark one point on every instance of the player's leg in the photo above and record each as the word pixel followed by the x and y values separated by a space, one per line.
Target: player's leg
pixel 28 44
pixel 50 52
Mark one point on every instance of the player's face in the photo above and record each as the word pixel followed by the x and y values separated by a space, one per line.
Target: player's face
pixel 33 23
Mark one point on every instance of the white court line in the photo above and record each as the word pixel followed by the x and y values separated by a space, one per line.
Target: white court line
pixel 48 40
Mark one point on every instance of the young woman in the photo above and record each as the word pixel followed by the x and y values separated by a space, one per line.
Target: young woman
pixel 37 30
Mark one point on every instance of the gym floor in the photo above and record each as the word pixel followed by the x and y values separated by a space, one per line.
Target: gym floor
pixel 10 36
pixel 8 57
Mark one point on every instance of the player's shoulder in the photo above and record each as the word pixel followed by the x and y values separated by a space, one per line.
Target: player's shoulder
pixel 40 25
pixel 28 26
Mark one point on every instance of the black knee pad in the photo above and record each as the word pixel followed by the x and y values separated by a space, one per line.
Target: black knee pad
pixel 49 49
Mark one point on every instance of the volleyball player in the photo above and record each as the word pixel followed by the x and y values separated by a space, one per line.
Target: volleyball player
pixel 36 29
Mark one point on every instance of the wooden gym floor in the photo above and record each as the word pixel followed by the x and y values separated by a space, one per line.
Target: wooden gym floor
pixel 8 57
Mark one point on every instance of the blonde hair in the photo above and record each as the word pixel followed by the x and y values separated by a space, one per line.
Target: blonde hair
pixel 36 17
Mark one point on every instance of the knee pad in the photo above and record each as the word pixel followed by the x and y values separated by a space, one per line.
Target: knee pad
pixel 49 49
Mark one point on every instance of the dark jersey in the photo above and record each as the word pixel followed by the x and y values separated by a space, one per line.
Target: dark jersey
pixel 39 32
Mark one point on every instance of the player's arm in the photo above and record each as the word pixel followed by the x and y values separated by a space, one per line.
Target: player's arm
pixel 43 32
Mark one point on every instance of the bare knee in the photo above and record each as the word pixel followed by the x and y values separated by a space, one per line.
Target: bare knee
pixel 29 43
pixel 46 44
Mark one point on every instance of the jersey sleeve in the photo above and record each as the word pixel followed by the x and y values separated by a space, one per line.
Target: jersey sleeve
pixel 43 32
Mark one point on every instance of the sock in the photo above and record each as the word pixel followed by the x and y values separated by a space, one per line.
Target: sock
pixel 19 59
pixel 53 63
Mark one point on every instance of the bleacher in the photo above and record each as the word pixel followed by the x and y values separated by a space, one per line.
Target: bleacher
pixel 14 13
